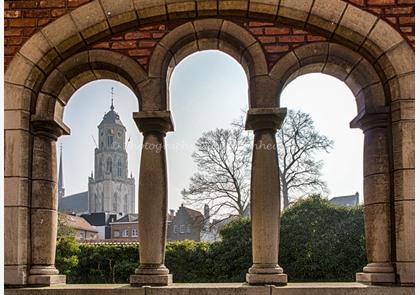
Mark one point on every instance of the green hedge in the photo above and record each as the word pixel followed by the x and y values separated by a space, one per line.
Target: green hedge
pixel 319 242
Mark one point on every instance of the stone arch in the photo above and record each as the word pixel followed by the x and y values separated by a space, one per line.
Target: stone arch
pixel 206 34
pixel 79 70
pixel 391 56
pixel 100 18
pixel 338 61
pixel 377 101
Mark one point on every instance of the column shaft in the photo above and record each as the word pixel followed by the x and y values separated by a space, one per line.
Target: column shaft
pixel 153 200
pixel 44 208
pixel 377 200
pixel 265 198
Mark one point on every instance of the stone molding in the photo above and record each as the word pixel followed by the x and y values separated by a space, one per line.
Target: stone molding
pixel 265 118
pixel 154 121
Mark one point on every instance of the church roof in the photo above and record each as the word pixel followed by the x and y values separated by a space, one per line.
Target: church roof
pixel 76 203
pixel 111 118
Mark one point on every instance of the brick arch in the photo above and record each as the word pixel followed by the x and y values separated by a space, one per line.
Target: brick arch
pixel 199 35
pixel 79 70
pixel 338 61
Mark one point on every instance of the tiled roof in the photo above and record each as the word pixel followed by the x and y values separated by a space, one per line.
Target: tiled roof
pixel 76 222
pixel 76 203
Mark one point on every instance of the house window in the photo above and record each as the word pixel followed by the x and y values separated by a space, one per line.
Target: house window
pixel 175 229
pixel 134 232
pixel 116 234
pixel 182 229
pixel 125 233
pixel 188 228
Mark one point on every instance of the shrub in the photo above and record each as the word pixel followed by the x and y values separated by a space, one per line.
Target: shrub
pixel 321 241
pixel 66 258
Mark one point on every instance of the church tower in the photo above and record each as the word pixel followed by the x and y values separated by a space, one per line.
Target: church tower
pixel 110 188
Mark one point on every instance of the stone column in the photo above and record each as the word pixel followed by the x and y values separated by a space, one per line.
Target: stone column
pixel 377 198
pixel 153 199
pixel 265 197
pixel 44 204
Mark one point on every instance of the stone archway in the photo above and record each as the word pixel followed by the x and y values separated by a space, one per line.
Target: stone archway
pixel 374 118
pixel 392 59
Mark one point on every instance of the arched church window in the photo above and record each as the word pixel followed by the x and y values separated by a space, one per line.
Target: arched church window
pixel 119 168
pixel 110 138
pixel 100 166
pixel 109 165
pixel 115 203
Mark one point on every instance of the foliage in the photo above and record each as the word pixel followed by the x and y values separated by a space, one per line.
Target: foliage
pixel 105 264
pixel 188 261
pixel 319 242
pixel 63 230
pixel 232 256
pixel 299 142
pixel 67 251
pixel 222 182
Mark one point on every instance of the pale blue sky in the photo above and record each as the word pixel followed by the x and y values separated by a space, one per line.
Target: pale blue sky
pixel 208 90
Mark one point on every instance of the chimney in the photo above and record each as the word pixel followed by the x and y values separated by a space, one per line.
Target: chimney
pixel 172 213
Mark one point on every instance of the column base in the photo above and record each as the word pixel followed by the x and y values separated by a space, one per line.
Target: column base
pixel 151 275
pixel 150 280
pixel 266 274
pixel 375 278
pixel 377 274
pixel 278 279
pixel 46 280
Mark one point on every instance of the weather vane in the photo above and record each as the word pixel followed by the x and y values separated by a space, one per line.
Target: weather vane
pixel 112 98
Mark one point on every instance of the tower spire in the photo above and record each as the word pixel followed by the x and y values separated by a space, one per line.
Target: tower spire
pixel 112 98
pixel 60 177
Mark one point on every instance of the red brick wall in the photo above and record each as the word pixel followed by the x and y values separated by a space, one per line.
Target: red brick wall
pixel 25 17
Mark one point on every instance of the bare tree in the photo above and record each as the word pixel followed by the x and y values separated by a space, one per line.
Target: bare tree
pixel 222 182
pixel 298 144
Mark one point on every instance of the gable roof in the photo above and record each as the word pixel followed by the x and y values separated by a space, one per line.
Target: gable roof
pixel 76 222
pixel 132 217
pixel 351 200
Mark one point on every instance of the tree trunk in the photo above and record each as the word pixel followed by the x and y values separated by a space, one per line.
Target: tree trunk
pixel 285 193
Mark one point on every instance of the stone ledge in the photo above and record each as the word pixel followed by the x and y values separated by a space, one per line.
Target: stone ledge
pixel 217 289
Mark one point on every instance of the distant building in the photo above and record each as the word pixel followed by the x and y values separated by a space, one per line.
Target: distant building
pixel 83 231
pixel 110 189
pixel 101 221
pixel 186 224
pixel 351 200
pixel 126 228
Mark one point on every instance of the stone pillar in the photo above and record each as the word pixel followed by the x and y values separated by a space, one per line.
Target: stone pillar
pixel 377 199
pixel 265 197
pixel 153 199
pixel 44 203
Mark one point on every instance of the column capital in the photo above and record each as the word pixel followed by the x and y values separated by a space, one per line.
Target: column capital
pixel 265 118
pixel 52 128
pixel 154 121
pixel 373 118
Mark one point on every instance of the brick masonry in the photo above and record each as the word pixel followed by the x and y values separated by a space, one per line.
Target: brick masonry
pixel 23 18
